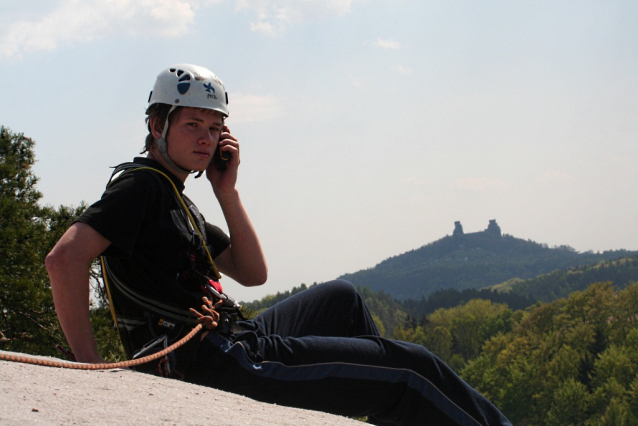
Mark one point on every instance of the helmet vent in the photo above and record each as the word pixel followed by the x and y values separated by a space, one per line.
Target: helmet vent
pixel 184 84
pixel 182 88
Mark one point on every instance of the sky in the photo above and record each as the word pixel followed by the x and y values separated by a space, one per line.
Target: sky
pixel 367 127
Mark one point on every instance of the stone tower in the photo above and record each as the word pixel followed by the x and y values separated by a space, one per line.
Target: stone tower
pixel 493 228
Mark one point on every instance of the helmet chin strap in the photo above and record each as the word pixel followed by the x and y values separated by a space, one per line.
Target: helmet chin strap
pixel 162 146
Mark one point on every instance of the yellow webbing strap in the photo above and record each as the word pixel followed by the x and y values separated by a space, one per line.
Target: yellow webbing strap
pixel 108 293
pixel 190 218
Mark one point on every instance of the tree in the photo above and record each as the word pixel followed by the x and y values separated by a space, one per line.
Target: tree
pixel 571 361
pixel 27 233
pixel 570 405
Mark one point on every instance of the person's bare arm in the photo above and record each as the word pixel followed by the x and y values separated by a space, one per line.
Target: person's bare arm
pixel 244 260
pixel 68 266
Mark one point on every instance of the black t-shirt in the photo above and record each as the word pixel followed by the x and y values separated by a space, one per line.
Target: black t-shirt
pixel 152 247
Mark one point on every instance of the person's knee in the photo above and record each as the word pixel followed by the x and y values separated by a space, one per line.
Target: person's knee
pixel 342 288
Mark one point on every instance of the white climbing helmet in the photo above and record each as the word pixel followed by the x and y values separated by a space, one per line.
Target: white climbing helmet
pixel 189 85
pixel 186 85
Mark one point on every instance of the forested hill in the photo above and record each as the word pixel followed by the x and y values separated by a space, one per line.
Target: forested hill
pixel 473 260
pixel 560 283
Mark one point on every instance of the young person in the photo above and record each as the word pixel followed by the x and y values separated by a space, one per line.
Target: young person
pixel 318 350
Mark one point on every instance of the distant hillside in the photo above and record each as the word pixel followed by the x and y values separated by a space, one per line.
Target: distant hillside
pixel 446 299
pixel 560 283
pixel 516 293
pixel 473 260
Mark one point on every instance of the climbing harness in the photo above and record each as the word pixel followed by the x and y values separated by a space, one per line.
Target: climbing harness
pixel 166 322
pixel 220 315
pixel 228 309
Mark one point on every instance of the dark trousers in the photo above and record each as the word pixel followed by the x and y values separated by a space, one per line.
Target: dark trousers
pixel 320 350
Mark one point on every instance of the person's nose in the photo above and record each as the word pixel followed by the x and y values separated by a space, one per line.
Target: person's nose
pixel 207 137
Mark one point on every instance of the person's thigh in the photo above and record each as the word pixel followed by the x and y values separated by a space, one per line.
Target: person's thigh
pixel 329 309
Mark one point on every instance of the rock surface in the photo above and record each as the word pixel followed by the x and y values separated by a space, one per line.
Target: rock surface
pixel 31 394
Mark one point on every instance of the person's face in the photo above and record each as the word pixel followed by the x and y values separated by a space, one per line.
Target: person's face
pixel 193 136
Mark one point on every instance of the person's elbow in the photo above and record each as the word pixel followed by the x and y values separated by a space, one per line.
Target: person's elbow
pixel 56 260
pixel 257 277
pixel 75 250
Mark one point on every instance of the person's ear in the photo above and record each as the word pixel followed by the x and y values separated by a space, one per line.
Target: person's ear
pixel 156 127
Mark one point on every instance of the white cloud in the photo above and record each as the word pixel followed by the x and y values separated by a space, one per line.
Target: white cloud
pixel 273 18
pixel 387 44
pixel 402 70
pixel 252 108
pixel 481 184
pixel 84 20
pixel 266 28
pixel 75 20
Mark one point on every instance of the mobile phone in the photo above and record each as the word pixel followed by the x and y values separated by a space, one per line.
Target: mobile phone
pixel 221 159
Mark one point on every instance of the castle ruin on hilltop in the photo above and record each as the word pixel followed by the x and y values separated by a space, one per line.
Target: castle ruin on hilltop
pixel 492 229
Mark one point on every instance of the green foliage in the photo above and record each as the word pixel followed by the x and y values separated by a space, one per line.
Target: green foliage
pixel 472 261
pixel 452 297
pixel 456 335
pixel 386 312
pixel 258 306
pixel 28 232
pixel 619 364
pixel 573 361
pixel 562 282
pixel 571 405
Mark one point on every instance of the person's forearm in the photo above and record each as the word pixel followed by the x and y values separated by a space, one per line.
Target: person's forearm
pixel 68 267
pixel 247 256
pixel 70 288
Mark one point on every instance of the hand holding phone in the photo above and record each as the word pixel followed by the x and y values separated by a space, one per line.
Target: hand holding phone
pixel 221 159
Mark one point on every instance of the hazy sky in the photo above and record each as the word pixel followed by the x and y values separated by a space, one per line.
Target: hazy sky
pixel 367 127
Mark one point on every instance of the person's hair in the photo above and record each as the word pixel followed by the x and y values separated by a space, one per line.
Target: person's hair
pixel 160 111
